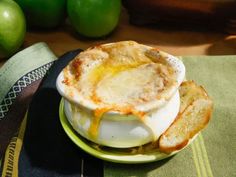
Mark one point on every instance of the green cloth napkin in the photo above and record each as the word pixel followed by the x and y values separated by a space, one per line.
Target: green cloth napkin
pixel 23 62
pixel 213 152
pixel 19 79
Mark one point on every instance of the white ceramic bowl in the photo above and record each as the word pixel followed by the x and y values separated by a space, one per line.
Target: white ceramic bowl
pixel 123 131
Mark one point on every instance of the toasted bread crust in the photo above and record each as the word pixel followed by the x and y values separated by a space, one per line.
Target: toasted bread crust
pixel 195 112
pixel 189 92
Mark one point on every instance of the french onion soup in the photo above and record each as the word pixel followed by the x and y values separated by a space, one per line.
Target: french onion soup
pixel 121 94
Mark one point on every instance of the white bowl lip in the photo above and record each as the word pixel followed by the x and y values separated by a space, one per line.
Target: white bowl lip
pixel 80 101
pixel 107 115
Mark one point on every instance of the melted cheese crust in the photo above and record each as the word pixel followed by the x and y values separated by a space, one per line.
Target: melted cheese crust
pixel 119 75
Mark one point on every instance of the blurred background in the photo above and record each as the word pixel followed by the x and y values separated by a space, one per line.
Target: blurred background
pixel 180 27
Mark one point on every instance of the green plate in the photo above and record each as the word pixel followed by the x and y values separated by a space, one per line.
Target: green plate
pixel 110 154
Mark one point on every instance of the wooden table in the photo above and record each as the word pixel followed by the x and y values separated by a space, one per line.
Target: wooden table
pixel 176 42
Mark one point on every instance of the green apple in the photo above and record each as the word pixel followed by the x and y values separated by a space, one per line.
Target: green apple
pixel 94 18
pixel 12 27
pixel 43 13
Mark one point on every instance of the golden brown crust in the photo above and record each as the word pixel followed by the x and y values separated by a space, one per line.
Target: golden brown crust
pixel 193 117
pixel 104 74
pixel 190 95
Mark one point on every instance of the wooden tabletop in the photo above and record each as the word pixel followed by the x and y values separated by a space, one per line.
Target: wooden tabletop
pixel 176 42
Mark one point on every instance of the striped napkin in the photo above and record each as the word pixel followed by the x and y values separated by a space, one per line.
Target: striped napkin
pixel 41 148
pixel 19 78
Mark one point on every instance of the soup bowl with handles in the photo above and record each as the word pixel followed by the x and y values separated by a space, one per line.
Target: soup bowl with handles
pixel 119 130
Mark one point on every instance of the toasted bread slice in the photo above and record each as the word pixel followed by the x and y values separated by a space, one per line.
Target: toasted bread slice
pixel 189 92
pixel 195 112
